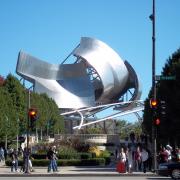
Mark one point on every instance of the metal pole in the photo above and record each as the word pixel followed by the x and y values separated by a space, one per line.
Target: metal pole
pixel 154 133
pixel 154 85
pixel 153 54
pixel 27 134
pixel 6 137
pixel 6 141
pixel 17 138
pixel 36 135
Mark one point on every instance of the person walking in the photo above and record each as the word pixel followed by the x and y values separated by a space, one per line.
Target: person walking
pixel 121 168
pixel 51 155
pixel 144 157
pixel 14 161
pixel 137 158
pixel 129 160
pixel 54 163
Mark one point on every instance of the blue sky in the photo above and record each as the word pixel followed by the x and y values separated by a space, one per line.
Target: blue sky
pixel 50 29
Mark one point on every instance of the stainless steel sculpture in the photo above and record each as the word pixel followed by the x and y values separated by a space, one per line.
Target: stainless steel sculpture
pixel 97 79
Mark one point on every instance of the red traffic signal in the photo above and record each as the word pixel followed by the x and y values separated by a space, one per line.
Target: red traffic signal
pixel 157 122
pixel 153 103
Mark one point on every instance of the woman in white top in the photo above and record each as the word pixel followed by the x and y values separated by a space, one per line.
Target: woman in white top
pixel 122 155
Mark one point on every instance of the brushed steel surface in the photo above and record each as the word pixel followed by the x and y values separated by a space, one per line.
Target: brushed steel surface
pixel 71 86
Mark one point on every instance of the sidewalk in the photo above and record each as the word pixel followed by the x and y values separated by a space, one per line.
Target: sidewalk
pixel 72 171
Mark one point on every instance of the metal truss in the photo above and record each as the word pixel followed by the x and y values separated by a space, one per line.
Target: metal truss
pixel 137 106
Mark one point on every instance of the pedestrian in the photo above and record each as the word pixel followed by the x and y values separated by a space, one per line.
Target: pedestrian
pixel 14 161
pixel 51 155
pixel 129 160
pixel 26 166
pixel 163 155
pixel 178 154
pixel 169 152
pixel 24 152
pixel 122 155
pixel 121 166
pixel 55 168
pixel 30 161
pixel 137 158
pixel 5 153
pixel 149 161
pixel 144 157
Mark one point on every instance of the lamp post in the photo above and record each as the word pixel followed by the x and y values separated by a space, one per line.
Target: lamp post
pixel 152 17
pixel 6 136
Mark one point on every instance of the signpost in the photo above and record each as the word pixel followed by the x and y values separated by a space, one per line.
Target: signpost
pixel 160 78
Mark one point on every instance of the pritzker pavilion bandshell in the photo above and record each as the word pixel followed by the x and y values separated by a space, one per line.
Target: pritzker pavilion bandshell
pixel 97 79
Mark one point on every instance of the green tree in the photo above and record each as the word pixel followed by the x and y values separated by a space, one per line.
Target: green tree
pixel 49 119
pixel 125 128
pixel 168 91
pixel 8 115
pixel 14 107
pixel 19 99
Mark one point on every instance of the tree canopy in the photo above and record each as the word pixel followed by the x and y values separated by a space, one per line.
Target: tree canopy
pixel 168 91
pixel 14 110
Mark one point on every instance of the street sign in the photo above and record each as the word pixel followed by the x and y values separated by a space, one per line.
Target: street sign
pixel 160 77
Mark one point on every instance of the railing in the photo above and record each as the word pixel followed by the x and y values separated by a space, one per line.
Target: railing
pixel 93 138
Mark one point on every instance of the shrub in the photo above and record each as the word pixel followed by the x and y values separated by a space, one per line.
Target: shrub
pixel 106 155
pixel 64 155
pixel 68 162
pixel 40 162
pixel 65 162
pixel 68 156
pixel 86 155
pixel 95 150
pixel 66 149
pixel 39 156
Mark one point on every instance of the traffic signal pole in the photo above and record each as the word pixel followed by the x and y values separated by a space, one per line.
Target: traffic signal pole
pixel 27 136
pixel 154 130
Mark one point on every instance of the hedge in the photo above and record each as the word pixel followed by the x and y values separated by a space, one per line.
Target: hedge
pixel 65 162
pixel 81 155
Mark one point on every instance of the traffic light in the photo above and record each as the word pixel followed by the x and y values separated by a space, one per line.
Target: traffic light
pixel 32 117
pixel 157 122
pixel 153 103
pixel 163 109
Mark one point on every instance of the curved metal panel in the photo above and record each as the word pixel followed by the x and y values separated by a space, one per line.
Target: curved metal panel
pixel 107 63
pixel 71 86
